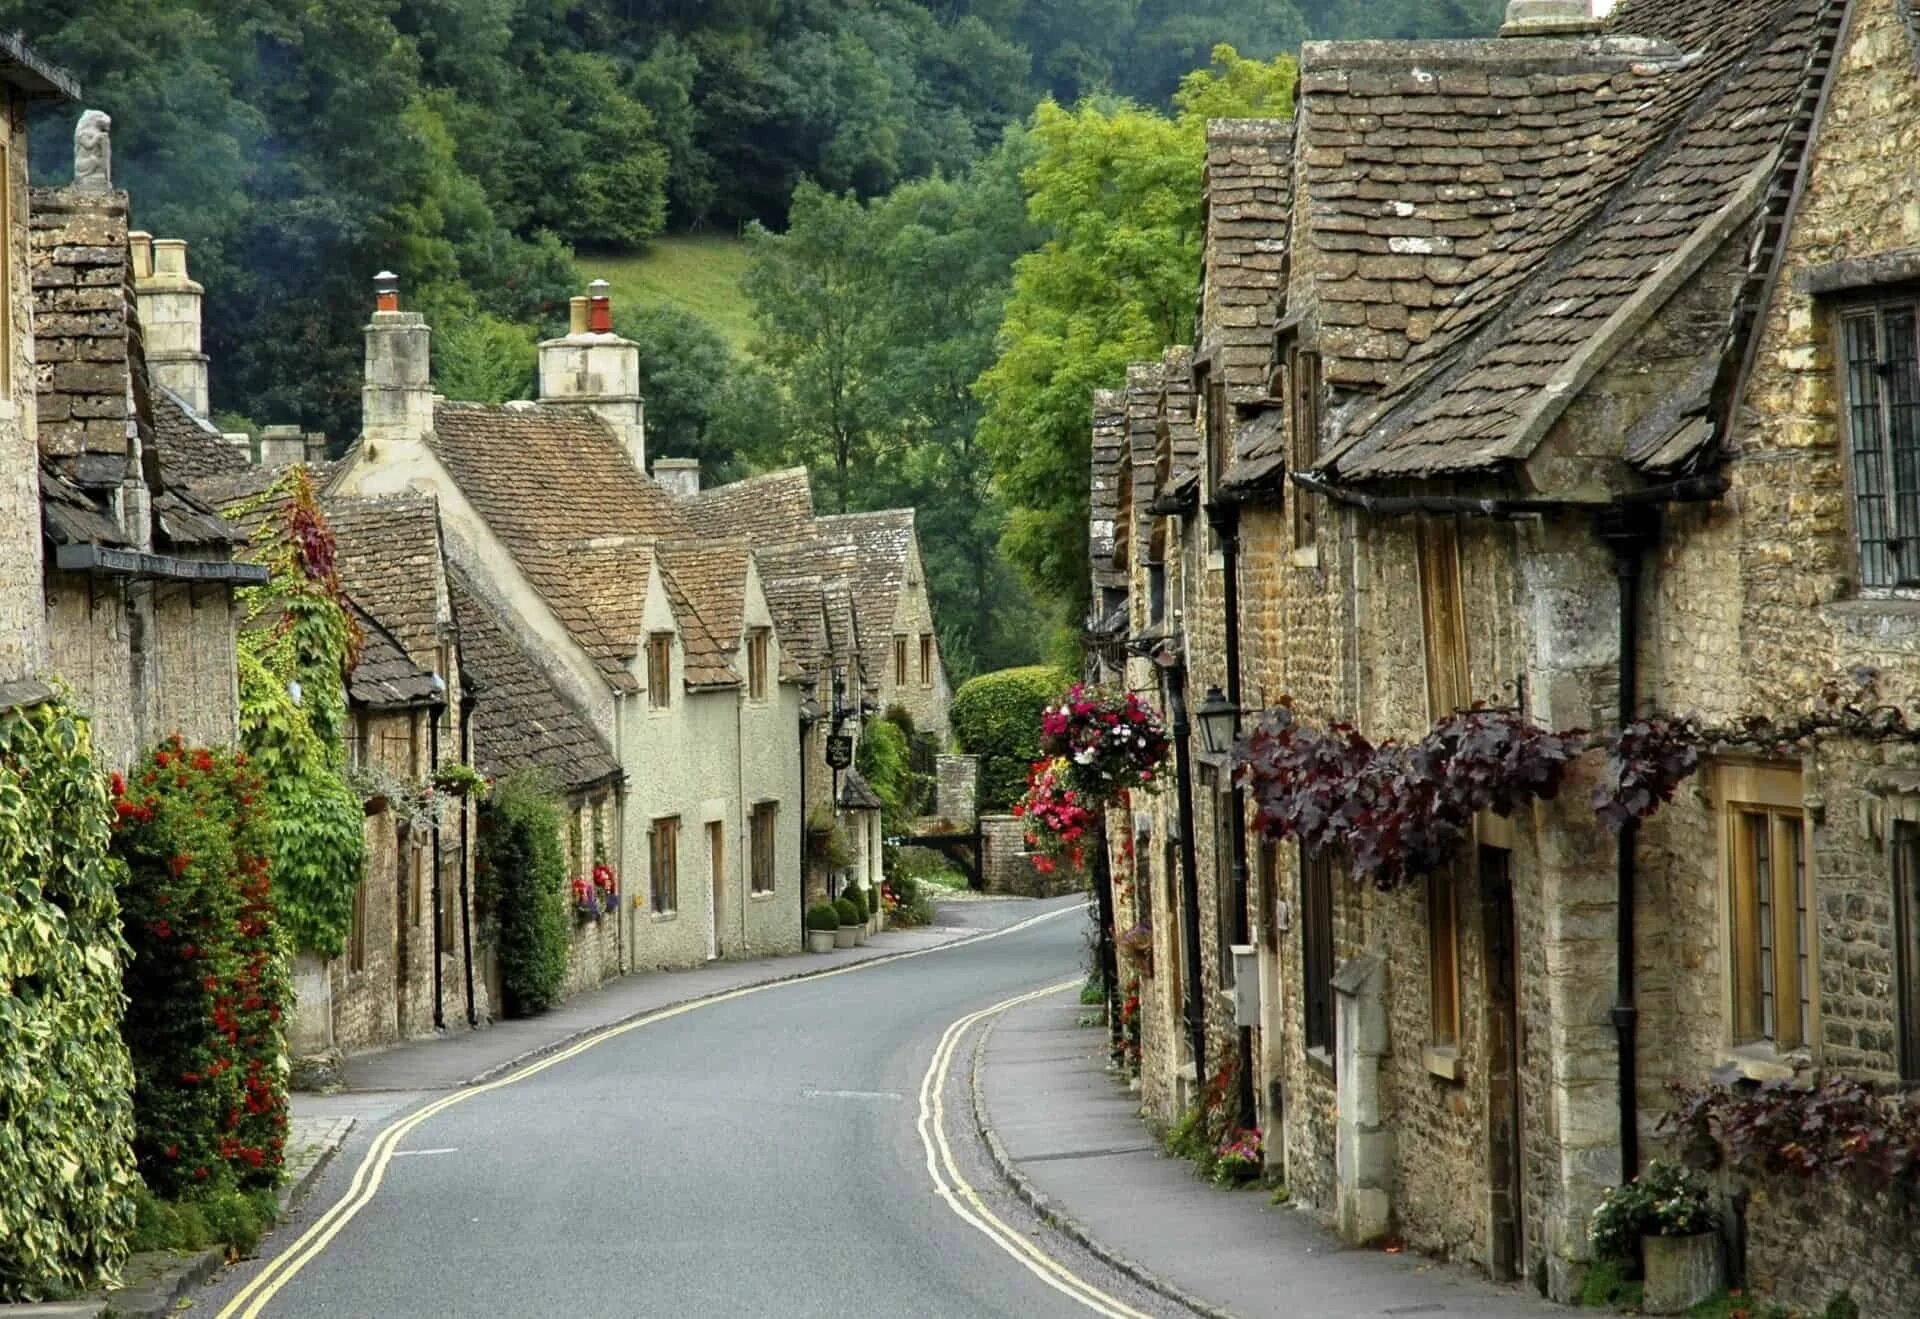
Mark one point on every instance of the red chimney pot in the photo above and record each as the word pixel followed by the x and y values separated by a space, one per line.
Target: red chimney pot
pixel 386 290
pixel 599 308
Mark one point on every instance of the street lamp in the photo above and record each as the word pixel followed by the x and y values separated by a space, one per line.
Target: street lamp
pixel 1219 721
pixel 809 712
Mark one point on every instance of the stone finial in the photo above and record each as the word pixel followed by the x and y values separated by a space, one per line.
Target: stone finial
pixel 1550 18
pixel 93 152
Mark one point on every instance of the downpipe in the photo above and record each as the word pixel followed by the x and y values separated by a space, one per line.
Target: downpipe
pixel 1189 875
pixel 433 759
pixel 1227 524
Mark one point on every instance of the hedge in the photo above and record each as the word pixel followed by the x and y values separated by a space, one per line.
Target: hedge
pixel 67 1180
pixel 996 717
pixel 522 891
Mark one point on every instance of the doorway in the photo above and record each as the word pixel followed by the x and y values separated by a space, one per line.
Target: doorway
pixel 1506 1246
pixel 717 885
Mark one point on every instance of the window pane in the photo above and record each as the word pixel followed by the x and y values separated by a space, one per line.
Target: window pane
pixel 1903 435
pixel 1764 907
pixel 1869 477
pixel 1906 924
pixel 1443 951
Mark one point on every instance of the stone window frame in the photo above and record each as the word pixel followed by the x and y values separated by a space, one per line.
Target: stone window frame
pixel 659 670
pixel 1443 968
pixel 926 659
pixel 899 659
pixel 1774 791
pixel 663 865
pixel 764 852
pixel 1873 495
pixel 759 655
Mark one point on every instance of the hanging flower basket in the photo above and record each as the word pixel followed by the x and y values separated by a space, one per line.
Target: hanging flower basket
pixel 1111 742
pixel 1057 818
pixel 1136 945
pixel 589 903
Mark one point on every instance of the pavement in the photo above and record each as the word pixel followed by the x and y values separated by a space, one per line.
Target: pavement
pixel 1068 1134
pixel 760 1154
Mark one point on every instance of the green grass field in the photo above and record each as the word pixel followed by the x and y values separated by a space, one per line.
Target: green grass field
pixel 697 272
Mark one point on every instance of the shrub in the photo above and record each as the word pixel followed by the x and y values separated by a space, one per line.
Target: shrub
pixel 996 717
pixel 822 916
pixel 521 879
pixel 222 1216
pixel 66 1111
pixel 207 988
pixel 1667 1200
pixel 884 760
pixel 848 913
pixel 857 899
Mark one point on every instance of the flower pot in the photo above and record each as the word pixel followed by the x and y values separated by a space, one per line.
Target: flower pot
pixel 819 941
pixel 1680 1271
pixel 859 934
pixel 843 937
pixel 875 923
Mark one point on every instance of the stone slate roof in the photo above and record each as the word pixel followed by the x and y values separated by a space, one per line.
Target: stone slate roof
pixel 706 665
pixel 383 677
pixel 1249 191
pixel 772 509
pixel 390 563
pixel 1109 450
pixel 873 550
pixel 856 794
pixel 521 719
pixel 798 604
pixel 1649 152
pixel 1145 383
pixel 190 448
pixel 558 489
pixel 1177 450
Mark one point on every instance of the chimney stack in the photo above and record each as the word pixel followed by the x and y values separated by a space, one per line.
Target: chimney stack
pixel 169 306
pixel 241 441
pixel 316 446
pixel 677 476
pixel 595 368
pixel 396 402
pixel 1551 18
pixel 282 446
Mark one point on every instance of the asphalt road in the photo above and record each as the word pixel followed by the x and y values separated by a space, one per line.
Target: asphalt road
pixel 760 1155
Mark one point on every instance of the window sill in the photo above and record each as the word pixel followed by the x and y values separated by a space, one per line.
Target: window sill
pixel 767 895
pixel 1761 1062
pixel 1443 1061
pixel 1306 556
pixel 1321 1061
pixel 661 917
pixel 9 410
pixel 1875 616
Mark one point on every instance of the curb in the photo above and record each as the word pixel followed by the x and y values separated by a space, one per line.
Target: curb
pixel 291 1195
pixel 1038 1201
pixel 540 1051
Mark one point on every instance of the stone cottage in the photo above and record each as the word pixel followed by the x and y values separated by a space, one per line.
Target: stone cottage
pixel 1560 373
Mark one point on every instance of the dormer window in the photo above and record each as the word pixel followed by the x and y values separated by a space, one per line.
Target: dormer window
pixel 1882 372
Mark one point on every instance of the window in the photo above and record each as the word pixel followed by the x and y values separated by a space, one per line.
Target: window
pixel 1156 592
pixel 660 670
pixel 757 664
pixel 1267 896
pixel 1316 949
pixel 1225 923
pixel 1768 899
pixel 357 931
pixel 765 837
pixel 900 661
pixel 1214 396
pixel 1906 942
pixel 926 659
pixel 1882 368
pixel 663 851
pixel 1303 390
pixel 1443 957
pixel 406 866
pixel 1443 621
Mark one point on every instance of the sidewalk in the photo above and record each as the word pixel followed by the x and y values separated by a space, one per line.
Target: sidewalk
pixel 467 1057
pixel 1068 1130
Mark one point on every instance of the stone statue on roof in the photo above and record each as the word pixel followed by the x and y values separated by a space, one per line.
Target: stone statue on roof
pixel 93 152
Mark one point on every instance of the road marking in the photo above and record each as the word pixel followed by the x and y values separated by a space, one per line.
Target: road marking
pixel 894 1096
pixel 251 1299
pixel 954 1187
pixel 444 1149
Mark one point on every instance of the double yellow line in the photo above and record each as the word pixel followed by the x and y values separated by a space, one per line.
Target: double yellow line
pixel 961 1196
pixel 251 1299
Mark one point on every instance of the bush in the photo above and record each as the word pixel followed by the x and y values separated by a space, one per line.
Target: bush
pixel 857 899
pixel 66 1110
pixel 208 987
pixel 996 717
pixel 822 916
pixel 521 878
pixel 848 913
pixel 223 1216
pixel 884 760
pixel 1667 1200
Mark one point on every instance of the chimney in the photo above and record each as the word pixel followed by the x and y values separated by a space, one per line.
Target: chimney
pixel 396 402
pixel 169 306
pixel 677 476
pixel 282 446
pixel 1551 18
pixel 316 446
pixel 595 368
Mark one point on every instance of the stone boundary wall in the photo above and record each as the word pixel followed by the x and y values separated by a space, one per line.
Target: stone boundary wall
pixel 956 788
pixel 1806 1243
pixel 1009 867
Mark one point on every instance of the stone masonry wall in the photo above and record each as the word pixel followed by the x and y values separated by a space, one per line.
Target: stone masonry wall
pixel 24 647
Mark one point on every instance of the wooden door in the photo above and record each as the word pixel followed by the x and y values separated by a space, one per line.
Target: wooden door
pixel 717 889
pixel 1505 1148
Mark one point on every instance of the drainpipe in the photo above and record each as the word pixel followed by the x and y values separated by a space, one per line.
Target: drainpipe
pixel 1628 529
pixel 1109 964
pixel 1226 521
pixel 466 812
pixel 1189 877
pixel 433 761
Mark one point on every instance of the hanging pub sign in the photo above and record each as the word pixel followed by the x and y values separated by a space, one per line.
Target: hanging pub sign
pixel 840 750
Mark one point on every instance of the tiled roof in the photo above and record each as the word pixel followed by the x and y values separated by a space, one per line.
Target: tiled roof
pixel 706 664
pixel 558 489
pixel 383 676
pixel 772 509
pixel 712 574
pixel 1249 188
pixel 1109 458
pixel 190 448
pixel 1639 198
pixel 521 719
pixel 798 604
pixel 856 794
pixel 84 326
pixel 390 563
pixel 1144 383
pixel 1178 453
pixel 874 550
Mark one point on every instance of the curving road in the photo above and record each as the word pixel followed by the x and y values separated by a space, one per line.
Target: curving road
pixel 782 1151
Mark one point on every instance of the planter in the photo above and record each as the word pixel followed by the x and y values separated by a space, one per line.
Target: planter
pixel 843 937
pixel 819 941
pixel 859 934
pixel 876 923
pixel 1680 1271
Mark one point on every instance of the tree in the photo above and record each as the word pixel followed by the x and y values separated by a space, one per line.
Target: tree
pixel 1118 189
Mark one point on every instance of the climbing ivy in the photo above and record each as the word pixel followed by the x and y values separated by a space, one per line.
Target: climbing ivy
pixel 67 1177
pixel 296 646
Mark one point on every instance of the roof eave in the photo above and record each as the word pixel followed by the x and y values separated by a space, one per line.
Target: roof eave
pixel 39 79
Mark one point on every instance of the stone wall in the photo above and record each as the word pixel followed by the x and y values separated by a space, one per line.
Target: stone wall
pixel 1009 867
pixel 193 688
pixel 1807 1242
pixel 24 647
pixel 956 788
